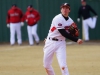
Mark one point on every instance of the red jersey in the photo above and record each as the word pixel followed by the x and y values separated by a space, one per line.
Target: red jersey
pixel 32 17
pixel 15 16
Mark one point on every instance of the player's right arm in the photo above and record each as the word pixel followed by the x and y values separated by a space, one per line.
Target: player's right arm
pixel 79 14
pixel 8 18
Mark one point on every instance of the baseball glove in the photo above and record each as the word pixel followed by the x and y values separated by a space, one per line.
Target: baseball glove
pixel 73 30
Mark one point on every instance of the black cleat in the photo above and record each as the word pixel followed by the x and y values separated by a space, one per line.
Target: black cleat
pixel 37 43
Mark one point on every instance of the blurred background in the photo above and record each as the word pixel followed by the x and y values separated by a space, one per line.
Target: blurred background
pixel 47 9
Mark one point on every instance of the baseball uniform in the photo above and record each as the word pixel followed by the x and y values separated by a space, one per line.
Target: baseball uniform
pixel 15 20
pixel 88 21
pixel 32 17
pixel 55 43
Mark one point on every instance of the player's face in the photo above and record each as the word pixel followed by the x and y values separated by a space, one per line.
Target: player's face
pixel 83 3
pixel 30 9
pixel 65 11
pixel 14 7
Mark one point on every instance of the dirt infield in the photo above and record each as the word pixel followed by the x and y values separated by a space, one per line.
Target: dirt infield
pixel 27 60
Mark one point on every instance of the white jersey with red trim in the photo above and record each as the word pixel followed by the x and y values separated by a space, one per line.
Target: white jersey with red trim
pixel 58 22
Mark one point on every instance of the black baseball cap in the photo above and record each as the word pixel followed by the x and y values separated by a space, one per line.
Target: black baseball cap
pixel 30 6
pixel 65 5
pixel 14 5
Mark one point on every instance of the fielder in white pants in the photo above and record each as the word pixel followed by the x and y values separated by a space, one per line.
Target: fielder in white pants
pixel 15 20
pixel 90 22
pixel 56 41
pixel 15 28
pixel 32 32
pixel 32 17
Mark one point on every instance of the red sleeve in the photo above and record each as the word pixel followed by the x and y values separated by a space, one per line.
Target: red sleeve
pixel 25 16
pixel 22 17
pixel 37 16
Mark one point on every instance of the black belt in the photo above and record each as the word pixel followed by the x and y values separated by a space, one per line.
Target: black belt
pixel 55 39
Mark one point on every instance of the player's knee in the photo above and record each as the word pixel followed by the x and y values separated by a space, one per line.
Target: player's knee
pixel 93 26
pixel 34 33
pixel 46 66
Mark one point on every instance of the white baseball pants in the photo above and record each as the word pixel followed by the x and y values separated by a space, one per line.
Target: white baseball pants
pixel 90 22
pixel 15 28
pixel 32 32
pixel 59 48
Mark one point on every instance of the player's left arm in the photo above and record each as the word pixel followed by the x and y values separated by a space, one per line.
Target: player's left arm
pixel 92 10
pixel 67 35
pixel 37 18
pixel 21 16
pixel 79 13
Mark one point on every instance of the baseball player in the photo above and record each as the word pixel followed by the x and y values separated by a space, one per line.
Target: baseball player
pixel 88 21
pixel 15 21
pixel 32 17
pixel 55 41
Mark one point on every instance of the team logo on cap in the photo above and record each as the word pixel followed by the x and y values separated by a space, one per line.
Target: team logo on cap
pixel 65 3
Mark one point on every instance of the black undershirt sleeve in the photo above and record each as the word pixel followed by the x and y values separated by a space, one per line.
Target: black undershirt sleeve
pixel 67 35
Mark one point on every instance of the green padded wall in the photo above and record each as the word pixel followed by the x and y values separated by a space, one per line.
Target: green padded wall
pixel 48 9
